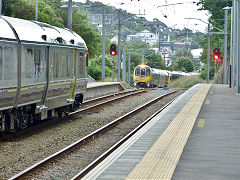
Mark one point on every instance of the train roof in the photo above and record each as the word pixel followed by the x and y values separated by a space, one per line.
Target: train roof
pixel 38 32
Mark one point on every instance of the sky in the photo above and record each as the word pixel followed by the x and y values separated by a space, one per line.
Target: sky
pixel 172 15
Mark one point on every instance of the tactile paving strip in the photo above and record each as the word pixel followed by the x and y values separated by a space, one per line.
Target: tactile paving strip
pixel 162 158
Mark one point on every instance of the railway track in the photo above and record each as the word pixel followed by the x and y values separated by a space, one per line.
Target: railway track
pixel 64 153
pixel 89 105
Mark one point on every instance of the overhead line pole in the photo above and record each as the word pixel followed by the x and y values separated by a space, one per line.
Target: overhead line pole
pixel 36 10
pixel 119 46
pixel 0 7
pixel 208 54
pixel 103 45
pixel 225 46
pixel 70 14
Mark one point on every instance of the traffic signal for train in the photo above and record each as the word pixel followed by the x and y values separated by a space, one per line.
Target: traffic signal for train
pixel 217 54
pixel 113 49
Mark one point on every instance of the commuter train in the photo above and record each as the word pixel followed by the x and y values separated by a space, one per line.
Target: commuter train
pixel 43 72
pixel 144 76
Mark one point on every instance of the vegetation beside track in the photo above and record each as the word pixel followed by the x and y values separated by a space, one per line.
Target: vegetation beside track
pixel 185 82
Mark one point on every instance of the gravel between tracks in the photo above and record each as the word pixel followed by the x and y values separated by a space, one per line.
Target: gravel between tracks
pixel 25 149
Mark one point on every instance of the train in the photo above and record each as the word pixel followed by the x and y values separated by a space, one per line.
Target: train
pixel 43 72
pixel 145 76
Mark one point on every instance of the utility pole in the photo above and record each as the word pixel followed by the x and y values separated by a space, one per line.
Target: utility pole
pixel 129 67
pixel 0 7
pixel 119 46
pixel 225 46
pixel 159 45
pixel 143 57
pixel 238 47
pixel 36 10
pixel 231 49
pixel 208 54
pixel 70 14
pixel 103 45
pixel 124 58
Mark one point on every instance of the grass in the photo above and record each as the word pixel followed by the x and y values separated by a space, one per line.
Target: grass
pixel 185 82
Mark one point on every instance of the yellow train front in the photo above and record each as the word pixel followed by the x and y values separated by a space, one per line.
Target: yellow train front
pixel 144 76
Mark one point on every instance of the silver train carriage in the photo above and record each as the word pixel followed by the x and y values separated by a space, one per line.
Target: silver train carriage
pixel 43 72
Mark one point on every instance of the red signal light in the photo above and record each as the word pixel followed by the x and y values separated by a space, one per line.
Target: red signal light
pixel 113 49
pixel 216 57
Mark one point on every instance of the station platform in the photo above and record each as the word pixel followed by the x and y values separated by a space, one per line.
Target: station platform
pixel 197 137
pixel 95 89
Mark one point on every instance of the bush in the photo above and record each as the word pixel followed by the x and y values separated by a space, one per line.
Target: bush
pixel 185 82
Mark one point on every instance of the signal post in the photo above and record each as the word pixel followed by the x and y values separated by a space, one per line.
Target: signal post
pixel 113 52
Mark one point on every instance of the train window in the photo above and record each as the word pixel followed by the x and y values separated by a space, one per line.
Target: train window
pixel 37 62
pixel 148 71
pixel 1 68
pixel 61 65
pixel 143 72
pixel 82 66
pixel 137 71
pixel 8 63
pixel 29 63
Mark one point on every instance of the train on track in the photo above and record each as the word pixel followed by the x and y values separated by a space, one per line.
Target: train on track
pixel 43 72
pixel 145 76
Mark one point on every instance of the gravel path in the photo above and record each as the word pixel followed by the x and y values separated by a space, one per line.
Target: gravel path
pixel 36 143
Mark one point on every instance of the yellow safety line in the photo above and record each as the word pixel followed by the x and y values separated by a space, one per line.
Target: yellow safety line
pixel 162 158
pixel 207 101
pixel 201 123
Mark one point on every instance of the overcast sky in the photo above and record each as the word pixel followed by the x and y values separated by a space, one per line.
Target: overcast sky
pixel 171 15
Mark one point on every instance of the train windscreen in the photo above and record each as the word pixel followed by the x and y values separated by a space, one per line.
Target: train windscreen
pixel 142 71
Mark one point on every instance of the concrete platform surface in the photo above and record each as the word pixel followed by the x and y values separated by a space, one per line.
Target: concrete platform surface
pixel 213 148
pixel 195 138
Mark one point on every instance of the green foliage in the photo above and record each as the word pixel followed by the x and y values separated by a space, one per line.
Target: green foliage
pixel 23 10
pixel 203 74
pixel 8 7
pixel 95 67
pixel 183 64
pixel 182 52
pixel 185 82
pixel 154 60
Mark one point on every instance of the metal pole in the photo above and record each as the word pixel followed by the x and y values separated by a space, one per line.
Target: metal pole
pixel 113 68
pixel 129 68
pixel 208 53
pixel 215 72
pixel 103 45
pixel 231 50
pixel 119 46
pixel 159 45
pixel 124 58
pixel 225 47
pixel 234 67
pixel 70 14
pixel 0 7
pixel 236 42
pixel 36 11
pixel 143 57
pixel 238 46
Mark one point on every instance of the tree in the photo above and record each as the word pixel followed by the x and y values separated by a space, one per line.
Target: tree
pixel 7 7
pixel 183 64
pixel 183 52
